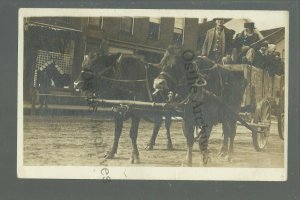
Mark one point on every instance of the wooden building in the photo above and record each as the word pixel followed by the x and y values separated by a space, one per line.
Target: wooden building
pixel 70 38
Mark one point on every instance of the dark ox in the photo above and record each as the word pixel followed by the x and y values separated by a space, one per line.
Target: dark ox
pixel 119 77
pixel 221 84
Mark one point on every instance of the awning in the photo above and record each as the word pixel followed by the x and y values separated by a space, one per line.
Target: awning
pixel 136 46
pixel 50 26
pixel 41 28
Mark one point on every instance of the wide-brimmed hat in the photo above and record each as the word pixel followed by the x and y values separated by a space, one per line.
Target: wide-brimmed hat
pixel 249 25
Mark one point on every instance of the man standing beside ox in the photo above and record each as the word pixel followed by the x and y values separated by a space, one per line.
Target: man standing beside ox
pixel 218 42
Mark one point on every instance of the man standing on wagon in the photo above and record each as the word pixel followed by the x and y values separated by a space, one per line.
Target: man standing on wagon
pixel 243 52
pixel 217 45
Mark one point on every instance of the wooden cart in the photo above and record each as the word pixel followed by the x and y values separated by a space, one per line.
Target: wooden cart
pixel 263 98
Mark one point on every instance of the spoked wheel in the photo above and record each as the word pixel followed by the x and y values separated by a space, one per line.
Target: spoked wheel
pixel 280 116
pixel 281 125
pixel 263 124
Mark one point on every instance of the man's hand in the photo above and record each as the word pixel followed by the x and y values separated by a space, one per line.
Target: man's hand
pixel 226 59
pixel 245 48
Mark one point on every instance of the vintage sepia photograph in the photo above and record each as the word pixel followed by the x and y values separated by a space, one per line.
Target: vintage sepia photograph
pixel 153 94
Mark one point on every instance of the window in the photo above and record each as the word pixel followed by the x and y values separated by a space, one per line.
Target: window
pixel 154 28
pixel 95 22
pixel 178 31
pixel 127 24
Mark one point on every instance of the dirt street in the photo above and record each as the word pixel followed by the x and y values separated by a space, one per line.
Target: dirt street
pixel 83 141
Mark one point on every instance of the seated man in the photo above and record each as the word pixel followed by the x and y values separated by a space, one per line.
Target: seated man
pixel 260 58
pixel 218 42
pixel 243 52
pixel 279 64
pixel 271 59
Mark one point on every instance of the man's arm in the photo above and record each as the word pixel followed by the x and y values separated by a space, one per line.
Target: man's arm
pixel 205 44
pixel 230 41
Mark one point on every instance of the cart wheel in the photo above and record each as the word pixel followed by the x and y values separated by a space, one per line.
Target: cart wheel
pixel 263 120
pixel 281 125
pixel 280 116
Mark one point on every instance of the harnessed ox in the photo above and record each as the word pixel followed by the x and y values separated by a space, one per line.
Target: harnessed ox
pixel 208 92
pixel 121 77
pixel 50 74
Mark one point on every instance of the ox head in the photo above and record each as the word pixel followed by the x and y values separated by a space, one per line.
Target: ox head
pixel 173 70
pixel 93 66
pixel 86 75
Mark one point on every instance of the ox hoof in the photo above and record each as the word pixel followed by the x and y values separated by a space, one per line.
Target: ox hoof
pixel 135 159
pixel 149 147
pixel 228 158
pixel 222 154
pixel 206 159
pixel 109 155
pixel 185 163
pixel 170 146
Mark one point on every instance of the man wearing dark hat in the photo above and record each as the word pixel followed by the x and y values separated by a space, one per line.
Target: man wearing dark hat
pixel 242 51
pixel 218 42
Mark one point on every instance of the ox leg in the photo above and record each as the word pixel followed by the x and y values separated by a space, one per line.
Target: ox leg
pixel 203 143
pixel 46 102
pixel 119 119
pixel 135 121
pixel 157 125
pixel 226 132
pixel 42 102
pixel 232 136
pixel 188 130
pixel 168 125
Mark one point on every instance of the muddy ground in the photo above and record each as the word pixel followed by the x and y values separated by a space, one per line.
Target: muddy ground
pixel 83 141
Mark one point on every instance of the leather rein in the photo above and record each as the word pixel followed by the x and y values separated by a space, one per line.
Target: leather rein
pixel 146 80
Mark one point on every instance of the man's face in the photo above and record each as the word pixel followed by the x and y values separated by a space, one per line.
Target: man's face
pixel 249 30
pixel 263 49
pixel 219 22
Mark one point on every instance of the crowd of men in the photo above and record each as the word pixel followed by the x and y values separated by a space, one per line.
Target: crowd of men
pixel 247 47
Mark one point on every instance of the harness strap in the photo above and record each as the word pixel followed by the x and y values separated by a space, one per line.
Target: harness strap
pixel 117 80
pixel 122 80
pixel 147 83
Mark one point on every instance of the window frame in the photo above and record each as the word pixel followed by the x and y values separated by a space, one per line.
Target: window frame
pixel 179 28
pixel 101 21
pixel 156 23
pixel 131 28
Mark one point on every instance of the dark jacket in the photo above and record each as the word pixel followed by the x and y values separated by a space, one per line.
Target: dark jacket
pixel 226 45
pixel 242 40
pixel 260 60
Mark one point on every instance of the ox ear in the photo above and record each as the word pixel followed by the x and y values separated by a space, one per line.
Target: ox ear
pixel 85 61
pixel 119 57
pixel 85 57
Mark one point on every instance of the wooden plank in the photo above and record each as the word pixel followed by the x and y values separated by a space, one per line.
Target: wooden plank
pixel 257 82
pixel 234 67
pixel 129 102
pixel 62 95
pixel 247 93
